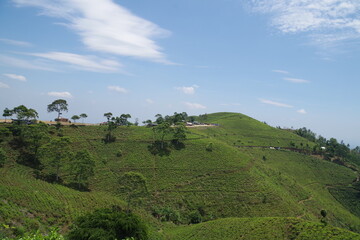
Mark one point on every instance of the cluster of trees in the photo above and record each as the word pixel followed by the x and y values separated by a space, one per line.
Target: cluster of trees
pixel 77 117
pixel 58 159
pixel 21 112
pixel 113 123
pixel 170 127
pixel 171 119
pixel 330 148
pixel 50 156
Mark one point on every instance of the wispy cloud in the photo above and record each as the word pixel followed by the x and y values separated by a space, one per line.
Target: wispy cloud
pixel 60 94
pixel 105 26
pixel 195 105
pixel 149 101
pixel 15 76
pixel 117 89
pixel 280 71
pixel 301 111
pixel 296 80
pixel 83 62
pixel 277 104
pixel 15 43
pixel 3 85
pixel 188 90
pixel 21 63
pixel 326 21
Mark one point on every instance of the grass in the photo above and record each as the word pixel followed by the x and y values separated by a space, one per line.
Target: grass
pixel 229 181
pixel 259 228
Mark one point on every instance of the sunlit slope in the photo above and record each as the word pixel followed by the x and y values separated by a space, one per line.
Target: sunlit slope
pixel 241 130
pixel 222 182
pixel 308 179
pixel 232 180
pixel 27 203
pixel 260 228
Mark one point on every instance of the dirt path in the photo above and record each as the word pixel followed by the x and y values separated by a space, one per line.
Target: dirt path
pixel 305 200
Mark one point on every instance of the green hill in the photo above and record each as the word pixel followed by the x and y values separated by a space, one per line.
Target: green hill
pixel 260 228
pixel 240 177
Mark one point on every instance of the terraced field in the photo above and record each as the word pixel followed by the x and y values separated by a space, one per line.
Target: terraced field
pixel 255 185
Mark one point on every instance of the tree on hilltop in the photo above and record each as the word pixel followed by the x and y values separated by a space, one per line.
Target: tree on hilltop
pixel 75 117
pixel 7 113
pixel 83 115
pixel 24 113
pixel 59 106
pixel 108 116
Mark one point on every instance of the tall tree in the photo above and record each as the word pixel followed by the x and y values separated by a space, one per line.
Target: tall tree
pixel 159 118
pixel 59 106
pixel 82 167
pixel 160 132
pixel 35 136
pixel 179 132
pixel 7 113
pixel 83 116
pixel 123 120
pixel 55 154
pixel 108 116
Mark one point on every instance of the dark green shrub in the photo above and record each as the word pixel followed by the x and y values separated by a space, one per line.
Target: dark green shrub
pixel 119 153
pixel 108 224
pixel 2 157
pixel 167 214
pixel 209 147
pixel 195 217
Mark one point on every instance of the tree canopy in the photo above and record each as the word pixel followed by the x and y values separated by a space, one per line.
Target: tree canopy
pixel 108 224
pixel 59 106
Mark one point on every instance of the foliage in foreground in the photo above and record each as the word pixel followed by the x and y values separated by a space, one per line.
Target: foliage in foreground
pixel 53 235
pixel 108 224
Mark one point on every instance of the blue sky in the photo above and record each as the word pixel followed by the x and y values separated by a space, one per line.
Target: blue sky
pixel 290 63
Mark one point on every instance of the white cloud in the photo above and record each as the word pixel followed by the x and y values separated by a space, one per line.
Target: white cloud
pixel 275 103
pixel 105 26
pixel 302 111
pixel 326 20
pixel 194 105
pixel 187 90
pixel 3 85
pixel 83 62
pixel 15 76
pixel 14 42
pixel 281 71
pixel 296 80
pixel 21 63
pixel 149 101
pixel 117 89
pixel 60 94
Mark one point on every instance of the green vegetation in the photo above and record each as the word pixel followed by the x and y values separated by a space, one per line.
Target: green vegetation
pixel 270 180
pixel 59 106
pixel 260 228
pixel 108 224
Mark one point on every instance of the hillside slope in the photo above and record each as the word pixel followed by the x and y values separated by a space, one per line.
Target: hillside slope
pixel 260 228
pixel 240 177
